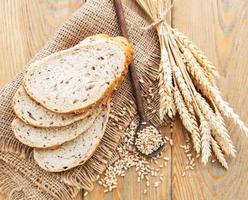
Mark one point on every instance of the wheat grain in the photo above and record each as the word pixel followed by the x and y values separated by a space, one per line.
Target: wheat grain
pixel 165 80
pixel 194 68
pixel 207 66
pixel 218 126
pixel 182 85
pixel 166 158
pixel 218 153
pixel 149 140
pixel 189 123
pixel 86 193
pixel 227 111
pixel 212 92
pixel 205 140
pixel 129 157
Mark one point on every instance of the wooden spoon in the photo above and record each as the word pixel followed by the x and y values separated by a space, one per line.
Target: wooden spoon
pixel 144 122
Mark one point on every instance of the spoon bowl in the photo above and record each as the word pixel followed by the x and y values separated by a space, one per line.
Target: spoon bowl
pixel 144 128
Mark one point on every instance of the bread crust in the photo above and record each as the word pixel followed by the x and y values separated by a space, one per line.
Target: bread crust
pixel 127 48
pixel 57 143
pixel 36 123
pixel 87 156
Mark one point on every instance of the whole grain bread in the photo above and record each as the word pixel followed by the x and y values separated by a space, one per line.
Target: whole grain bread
pixel 79 78
pixel 50 137
pixel 36 115
pixel 75 152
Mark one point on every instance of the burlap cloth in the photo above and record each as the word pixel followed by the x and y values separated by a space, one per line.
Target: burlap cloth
pixel 20 177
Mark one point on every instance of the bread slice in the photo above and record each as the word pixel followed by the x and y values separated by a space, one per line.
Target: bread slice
pixel 32 113
pixel 78 78
pixel 50 137
pixel 75 152
pixel 36 115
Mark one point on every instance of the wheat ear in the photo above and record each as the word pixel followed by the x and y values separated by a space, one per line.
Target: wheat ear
pixel 183 95
pixel 201 106
pixel 189 123
pixel 227 111
pixel 210 91
pixel 205 140
pixel 165 82
pixel 218 153
pixel 207 66
pixel 182 85
pixel 194 68
pixel 217 125
pixel 166 102
pixel 164 61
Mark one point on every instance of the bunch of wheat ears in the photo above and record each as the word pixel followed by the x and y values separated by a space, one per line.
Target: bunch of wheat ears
pixel 187 85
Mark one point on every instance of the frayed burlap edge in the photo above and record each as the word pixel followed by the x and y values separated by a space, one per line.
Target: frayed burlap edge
pixel 32 174
pixel 19 187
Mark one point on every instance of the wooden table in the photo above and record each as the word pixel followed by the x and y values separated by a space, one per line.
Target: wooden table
pixel 218 27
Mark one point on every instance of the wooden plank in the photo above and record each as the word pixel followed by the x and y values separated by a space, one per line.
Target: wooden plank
pixel 220 29
pixel 129 188
pixel 25 27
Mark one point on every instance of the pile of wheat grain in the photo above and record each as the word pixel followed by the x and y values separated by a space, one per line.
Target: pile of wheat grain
pixel 148 140
pixel 149 171
pixel 188 87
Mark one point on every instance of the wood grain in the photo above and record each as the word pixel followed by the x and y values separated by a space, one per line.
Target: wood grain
pixel 219 27
pixel 25 27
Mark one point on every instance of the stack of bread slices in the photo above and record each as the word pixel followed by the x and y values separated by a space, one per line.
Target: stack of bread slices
pixel 63 105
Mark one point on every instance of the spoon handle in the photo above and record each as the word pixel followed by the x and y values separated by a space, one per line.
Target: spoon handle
pixel 132 70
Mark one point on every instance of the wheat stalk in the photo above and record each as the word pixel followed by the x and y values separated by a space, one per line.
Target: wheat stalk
pixel 227 111
pixel 182 85
pixel 211 91
pixel 207 66
pixel 165 82
pixel 205 139
pixel 165 65
pixel 187 89
pixel 187 85
pixel 189 123
pixel 218 126
pixel 157 10
pixel 218 153
pixel 201 105
pixel 196 71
